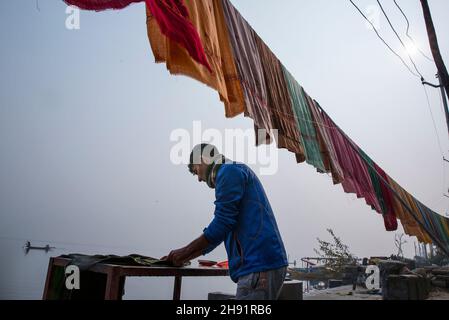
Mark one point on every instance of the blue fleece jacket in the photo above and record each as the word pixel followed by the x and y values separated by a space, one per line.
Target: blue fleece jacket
pixel 244 221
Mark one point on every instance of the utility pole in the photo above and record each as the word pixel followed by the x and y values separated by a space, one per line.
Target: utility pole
pixel 433 41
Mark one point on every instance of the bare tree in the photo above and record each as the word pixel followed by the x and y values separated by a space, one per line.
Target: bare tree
pixel 399 242
pixel 336 254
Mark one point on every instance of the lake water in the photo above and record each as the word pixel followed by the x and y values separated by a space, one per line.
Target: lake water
pixel 23 275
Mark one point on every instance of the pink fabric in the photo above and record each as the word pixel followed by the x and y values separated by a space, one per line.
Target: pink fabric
pixel 172 17
pixel 100 5
pixel 356 176
pixel 390 220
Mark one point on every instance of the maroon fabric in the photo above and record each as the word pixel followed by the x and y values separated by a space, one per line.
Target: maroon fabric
pixel 172 17
pixel 100 5
pixel 356 176
pixel 390 219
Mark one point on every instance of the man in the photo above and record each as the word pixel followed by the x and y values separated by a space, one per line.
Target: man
pixel 244 221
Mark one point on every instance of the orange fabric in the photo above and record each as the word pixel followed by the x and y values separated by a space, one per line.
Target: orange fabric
pixel 411 227
pixel 207 17
pixel 412 204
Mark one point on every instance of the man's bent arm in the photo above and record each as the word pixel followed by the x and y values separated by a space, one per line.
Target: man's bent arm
pixel 189 252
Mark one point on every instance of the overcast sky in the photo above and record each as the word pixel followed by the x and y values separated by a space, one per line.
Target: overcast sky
pixel 86 117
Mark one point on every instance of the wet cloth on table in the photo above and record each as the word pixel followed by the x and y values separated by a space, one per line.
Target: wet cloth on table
pixel 85 262
pixel 93 284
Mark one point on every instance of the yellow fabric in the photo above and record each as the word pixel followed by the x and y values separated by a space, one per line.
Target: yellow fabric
pixel 412 205
pixel 207 17
pixel 411 227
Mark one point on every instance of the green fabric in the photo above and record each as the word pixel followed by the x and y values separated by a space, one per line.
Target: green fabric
pixel 374 180
pixel 433 221
pixel 304 119
pixel 84 262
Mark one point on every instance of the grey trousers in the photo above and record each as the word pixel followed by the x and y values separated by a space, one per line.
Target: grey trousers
pixel 261 285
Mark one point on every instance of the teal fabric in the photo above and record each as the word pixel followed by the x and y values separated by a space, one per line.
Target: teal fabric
pixel 375 181
pixel 304 119
pixel 433 221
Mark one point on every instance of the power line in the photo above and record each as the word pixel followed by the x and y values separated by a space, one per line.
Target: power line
pixel 400 40
pixel 408 32
pixel 438 138
pixel 434 123
pixel 382 39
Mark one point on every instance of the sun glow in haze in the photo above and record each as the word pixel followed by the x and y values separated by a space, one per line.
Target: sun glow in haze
pixel 411 48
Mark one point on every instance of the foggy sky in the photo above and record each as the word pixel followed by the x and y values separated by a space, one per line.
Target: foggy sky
pixel 86 117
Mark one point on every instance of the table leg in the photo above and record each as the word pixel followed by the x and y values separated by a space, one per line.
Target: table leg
pixel 48 280
pixel 177 288
pixel 122 287
pixel 113 285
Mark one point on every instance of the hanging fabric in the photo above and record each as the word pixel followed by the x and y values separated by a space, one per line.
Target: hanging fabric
pixel 250 69
pixel 382 193
pixel 172 18
pixel 328 153
pixel 100 5
pixel 211 42
pixel 304 121
pixel 279 102
pixel 390 219
pixel 207 17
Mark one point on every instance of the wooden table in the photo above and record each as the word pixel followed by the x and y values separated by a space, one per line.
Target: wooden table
pixel 116 275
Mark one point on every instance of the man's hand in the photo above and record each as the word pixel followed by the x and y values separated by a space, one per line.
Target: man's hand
pixel 192 251
pixel 178 257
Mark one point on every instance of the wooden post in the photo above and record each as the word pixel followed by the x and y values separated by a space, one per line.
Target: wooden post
pixel 433 40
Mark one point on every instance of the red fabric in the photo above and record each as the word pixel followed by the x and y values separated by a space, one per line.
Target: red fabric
pixel 172 17
pixel 100 5
pixel 390 220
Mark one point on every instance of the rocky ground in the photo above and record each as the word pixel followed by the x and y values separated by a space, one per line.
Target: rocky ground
pixel 342 293
pixel 346 293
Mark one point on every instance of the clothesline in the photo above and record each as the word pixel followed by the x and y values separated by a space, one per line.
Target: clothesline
pixel 436 240
pixel 251 80
pixel 256 80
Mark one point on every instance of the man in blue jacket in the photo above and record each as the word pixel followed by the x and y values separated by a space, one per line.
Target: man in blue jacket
pixel 244 221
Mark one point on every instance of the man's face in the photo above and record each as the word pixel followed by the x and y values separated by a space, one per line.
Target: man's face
pixel 200 170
